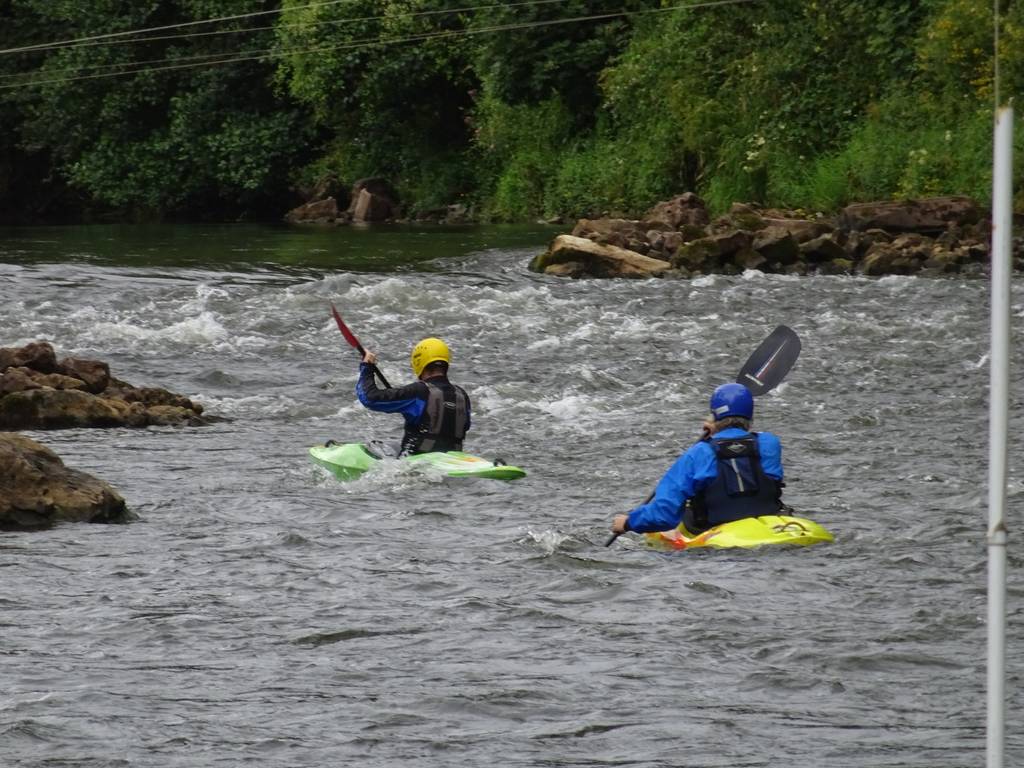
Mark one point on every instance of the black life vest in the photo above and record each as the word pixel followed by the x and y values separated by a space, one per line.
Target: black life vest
pixel 740 489
pixel 443 425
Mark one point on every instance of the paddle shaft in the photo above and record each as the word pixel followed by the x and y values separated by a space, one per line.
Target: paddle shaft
pixel 354 343
pixel 614 536
pixel 764 370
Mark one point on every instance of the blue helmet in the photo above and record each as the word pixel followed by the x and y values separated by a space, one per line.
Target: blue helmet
pixel 732 399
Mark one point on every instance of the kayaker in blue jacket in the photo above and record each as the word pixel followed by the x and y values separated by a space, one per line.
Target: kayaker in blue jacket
pixel 732 473
pixel 436 411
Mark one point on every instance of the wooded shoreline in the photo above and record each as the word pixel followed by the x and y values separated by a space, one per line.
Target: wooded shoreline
pixel 566 112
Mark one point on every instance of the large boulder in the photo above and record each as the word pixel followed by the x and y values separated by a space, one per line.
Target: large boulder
pixel 710 254
pixel 801 230
pixel 66 409
pixel 886 259
pixel 822 249
pixel 777 245
pixel 94 374
pixel 39 356
pixel 926 216
pixel 38 490
pixel 80 393
pixel 622 233
pixel 324 211
pixel 681 211
pixel 589 259
pixel 368 207
pixel 18 379
pixel 373 199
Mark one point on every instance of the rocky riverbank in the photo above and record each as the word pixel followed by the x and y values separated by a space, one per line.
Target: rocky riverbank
pixel 678 238
pixel 40 392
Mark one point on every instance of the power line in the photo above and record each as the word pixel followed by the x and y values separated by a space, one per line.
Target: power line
pixel 215 56
pixel 214 60
pixel 93 42
pixel 164 28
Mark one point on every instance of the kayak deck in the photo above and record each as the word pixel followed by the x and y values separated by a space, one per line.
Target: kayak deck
pixel 350 460
pixel 746 533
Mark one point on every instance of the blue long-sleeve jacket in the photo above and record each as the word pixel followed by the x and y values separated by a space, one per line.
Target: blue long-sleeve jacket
pixel 693 472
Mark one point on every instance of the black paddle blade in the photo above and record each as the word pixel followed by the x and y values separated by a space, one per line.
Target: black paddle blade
pixel 771 361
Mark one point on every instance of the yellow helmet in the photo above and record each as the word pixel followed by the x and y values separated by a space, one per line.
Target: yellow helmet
pixel 428 351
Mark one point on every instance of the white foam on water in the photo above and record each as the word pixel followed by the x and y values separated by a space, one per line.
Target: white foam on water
pixel 550 541
pixel 545 342
pixel 486 399
pixel 398 293
pixel 568 408
pixel 203 328
pixel 252 406
pixel 539 299
pixel 899 282
pixel 338 284
pixel 704 281
pixel 204 295
pixel 392 475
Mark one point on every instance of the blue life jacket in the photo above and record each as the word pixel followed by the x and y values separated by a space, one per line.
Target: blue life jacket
pixel 740 489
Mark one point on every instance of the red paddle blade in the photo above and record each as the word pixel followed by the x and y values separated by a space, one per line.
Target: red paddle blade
pixel 349 336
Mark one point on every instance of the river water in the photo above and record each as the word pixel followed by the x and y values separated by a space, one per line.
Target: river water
pixel 261 613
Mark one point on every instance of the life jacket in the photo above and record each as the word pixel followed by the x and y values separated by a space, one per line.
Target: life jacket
pixel 443 424
pixel 740 489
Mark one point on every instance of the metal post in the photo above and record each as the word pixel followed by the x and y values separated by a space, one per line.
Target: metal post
pixel 999 393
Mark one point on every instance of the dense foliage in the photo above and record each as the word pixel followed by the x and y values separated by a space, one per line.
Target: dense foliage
pixel 522 109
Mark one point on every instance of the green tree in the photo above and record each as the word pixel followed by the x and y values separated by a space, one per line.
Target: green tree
pixel 134 124
pixel 389 80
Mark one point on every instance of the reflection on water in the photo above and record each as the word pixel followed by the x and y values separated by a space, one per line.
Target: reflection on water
pixel 244 246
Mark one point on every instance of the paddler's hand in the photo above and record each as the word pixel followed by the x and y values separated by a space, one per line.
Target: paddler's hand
pixel 620 523
pixel 369 358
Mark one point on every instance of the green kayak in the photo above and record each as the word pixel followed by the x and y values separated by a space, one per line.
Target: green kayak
pixel 350 460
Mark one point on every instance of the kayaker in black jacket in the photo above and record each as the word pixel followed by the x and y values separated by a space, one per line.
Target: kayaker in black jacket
pixel 436 412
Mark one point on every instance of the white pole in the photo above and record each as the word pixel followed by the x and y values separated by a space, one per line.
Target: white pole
pixel 999 393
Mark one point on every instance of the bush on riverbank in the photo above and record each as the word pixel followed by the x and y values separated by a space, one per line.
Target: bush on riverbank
pixel 789 104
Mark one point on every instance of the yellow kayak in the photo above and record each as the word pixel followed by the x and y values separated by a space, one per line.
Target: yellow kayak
pixel 747 533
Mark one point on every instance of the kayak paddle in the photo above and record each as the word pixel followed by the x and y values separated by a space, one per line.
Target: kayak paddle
pixel 354 343
pixel 768 365
pixel 764 370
